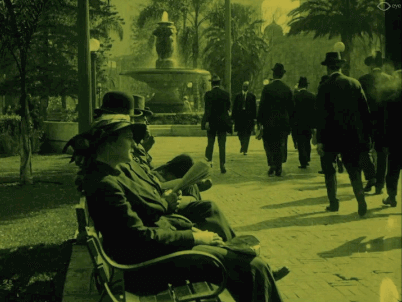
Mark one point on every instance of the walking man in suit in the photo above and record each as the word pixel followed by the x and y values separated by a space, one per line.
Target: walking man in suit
pixel 376 86
pixel 217 120
pixel 274 116
pixel 244 115
pixel 303 121
pixel 343 126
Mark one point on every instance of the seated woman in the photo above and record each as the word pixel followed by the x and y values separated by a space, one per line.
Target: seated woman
pixel 129 208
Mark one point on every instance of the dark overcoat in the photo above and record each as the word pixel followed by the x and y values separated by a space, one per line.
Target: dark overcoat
pixel 304 113
pixel 343 116
pixel 217 107
pixel 244 119
pixel 127 208
pixel 276 107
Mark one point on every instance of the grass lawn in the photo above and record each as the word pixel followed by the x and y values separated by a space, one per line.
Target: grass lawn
pixel 37 224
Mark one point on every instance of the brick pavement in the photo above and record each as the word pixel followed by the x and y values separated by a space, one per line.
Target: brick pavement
pixel 332 256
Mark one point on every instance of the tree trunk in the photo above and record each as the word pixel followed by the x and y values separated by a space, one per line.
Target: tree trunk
pixel 195 42
pixel 64 102
pixel 25 132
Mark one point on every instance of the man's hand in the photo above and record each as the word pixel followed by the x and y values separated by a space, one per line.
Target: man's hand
pixel 207 126
pixel 173 199
pixel 207 238
pixel 320 150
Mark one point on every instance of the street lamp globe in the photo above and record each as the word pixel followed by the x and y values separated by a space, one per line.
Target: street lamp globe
pixel 339 47
pixel 189 85
pixel 94 44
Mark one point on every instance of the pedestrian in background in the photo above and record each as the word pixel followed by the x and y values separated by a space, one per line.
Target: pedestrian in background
pixel 244 114
pixel 303 121
pixel 216 120
pixel 274 116
pixel 343 127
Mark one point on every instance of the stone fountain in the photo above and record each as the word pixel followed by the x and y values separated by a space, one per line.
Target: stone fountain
pixel 166 78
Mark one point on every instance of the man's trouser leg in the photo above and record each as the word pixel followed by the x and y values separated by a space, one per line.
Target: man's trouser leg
pixel 304 148
pixel 222 147
pixel 351 162
pixel 381 167
pixel 284 147
pixel 246 138
pixel 268 151
pixel 394 171
pixel 327 164
pixel 210 147
pixel 367 166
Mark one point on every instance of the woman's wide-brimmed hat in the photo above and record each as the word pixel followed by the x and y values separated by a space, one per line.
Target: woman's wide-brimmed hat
pixel 279 68
pixel 139 105
pixel 118 102
pixel 377 60
pixel 333 58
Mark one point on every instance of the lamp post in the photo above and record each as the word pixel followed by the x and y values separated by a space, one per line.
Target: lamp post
pixel 94 46
pixel 84 70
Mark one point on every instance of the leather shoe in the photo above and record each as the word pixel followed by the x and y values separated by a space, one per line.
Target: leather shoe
pixel 320 172
pixel 369 184
pixel 332 208
pixel 389 201
pixel 362 208
pixel 271 172
pixel 281 273
pixel 223 169
pixel 303 167
pixel 378 191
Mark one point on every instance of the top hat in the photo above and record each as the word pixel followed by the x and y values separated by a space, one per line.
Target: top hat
pixel 117 102
pixel 377 60
pixel 215 78
pixel 333 58
pixel 303 81
pixel 279 68
pixel 139 106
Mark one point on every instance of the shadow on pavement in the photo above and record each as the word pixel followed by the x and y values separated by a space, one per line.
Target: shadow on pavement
pixel 357 246
pixel 307 220
pixel 307 202
pixel 314 188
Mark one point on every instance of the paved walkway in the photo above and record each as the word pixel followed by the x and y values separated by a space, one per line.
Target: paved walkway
pixel 332 256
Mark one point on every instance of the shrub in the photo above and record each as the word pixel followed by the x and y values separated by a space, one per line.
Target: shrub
pixel 176 119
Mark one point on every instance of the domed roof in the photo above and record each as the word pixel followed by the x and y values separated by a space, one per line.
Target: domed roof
pixel 273 30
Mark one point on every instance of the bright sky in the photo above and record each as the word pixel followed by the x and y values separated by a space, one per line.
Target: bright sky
pixel 278 10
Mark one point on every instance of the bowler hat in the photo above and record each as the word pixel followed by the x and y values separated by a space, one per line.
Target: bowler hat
pixel 215 78
pixel 377 60
pixel 333 58
pixel 279 68
pixel 303 81
pixel 139 105
pixel 117 102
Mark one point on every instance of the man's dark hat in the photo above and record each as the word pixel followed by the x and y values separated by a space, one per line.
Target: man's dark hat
pixel 333 58
pixel 279 68
pixel 215 78
pixel 139 105
pixel 377 60
pixel 117 102
pixel 303 81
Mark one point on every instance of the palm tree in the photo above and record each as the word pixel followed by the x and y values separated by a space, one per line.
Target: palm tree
pixel 345 18
pixel 248 44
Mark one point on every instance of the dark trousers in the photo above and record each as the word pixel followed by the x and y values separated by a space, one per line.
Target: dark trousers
pixel 244 138
pixel 275 146
pixel 375 167
pixel 394 171
pixel 303 139
pixel 207 216
pixel 351 162
pixel 221 142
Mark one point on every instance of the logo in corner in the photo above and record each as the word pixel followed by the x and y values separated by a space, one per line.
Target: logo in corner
pixel 384 6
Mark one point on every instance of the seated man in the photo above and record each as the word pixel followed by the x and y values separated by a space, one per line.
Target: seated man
pixel 129 208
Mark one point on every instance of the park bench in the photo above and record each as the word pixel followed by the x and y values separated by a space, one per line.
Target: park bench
pixel 107 275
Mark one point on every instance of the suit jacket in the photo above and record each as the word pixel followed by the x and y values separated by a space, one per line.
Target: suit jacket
pixel 127 208
pixel 217 106
pixel 276 107
pixel 343 116
pixel 392 122
pixel 244 119
pixel 304 113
